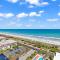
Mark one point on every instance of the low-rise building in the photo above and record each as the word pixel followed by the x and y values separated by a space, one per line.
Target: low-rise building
pixel 3 57
pixel 57 56
pixel 7 44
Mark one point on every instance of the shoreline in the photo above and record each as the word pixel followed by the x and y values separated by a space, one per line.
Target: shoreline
pixel 54 42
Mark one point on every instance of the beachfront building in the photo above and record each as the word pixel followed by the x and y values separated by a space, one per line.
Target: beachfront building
pixel 57 56
pixel 7 44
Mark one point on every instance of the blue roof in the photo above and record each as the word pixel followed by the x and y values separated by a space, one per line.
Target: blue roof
pixel 3 57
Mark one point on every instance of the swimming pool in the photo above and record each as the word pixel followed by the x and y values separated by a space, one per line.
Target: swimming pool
pixel 40 58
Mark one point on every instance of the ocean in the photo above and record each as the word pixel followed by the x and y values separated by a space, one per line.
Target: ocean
pixel 34 32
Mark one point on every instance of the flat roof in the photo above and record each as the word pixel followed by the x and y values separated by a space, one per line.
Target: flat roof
pixel 6 42
pixel 57 56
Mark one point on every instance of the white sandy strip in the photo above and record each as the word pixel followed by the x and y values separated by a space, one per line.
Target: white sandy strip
pixel 55 42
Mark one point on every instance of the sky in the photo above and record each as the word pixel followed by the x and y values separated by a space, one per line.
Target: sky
pixel 29 14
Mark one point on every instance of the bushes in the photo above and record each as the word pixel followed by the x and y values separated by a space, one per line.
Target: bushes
pixel 53 49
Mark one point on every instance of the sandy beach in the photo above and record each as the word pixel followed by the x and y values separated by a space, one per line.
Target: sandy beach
pixel 49 41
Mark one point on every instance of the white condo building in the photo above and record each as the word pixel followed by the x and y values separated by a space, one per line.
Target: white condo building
pixel 57 56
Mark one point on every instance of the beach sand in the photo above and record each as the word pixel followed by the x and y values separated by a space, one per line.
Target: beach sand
pixel 49 41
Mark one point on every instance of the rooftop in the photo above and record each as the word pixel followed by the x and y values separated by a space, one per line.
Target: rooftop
pixel 6 42
pixel 3 57
pixel 57 56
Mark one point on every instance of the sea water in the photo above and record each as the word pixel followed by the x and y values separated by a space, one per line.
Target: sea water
pixel 40 33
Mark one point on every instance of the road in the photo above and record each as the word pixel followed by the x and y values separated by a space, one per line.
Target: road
pixel 24 56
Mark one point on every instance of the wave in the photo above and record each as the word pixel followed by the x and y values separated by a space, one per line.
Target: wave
pixel 35 36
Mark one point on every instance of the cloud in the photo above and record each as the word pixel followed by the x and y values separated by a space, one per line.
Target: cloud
pixel 6 15
pixel 21 15
pixel 1 15
pixel 59 14
pixel 52 20
pixel 12 1
pixel 37 2
pixel 31 6
pixel 34 14
pixel 44 3
pixel 41 11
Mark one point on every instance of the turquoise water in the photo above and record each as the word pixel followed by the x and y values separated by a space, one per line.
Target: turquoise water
pixel 40 58
pixel 34 32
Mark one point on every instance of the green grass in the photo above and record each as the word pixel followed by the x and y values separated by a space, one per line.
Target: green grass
pixel 41 52
pixel 53 49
